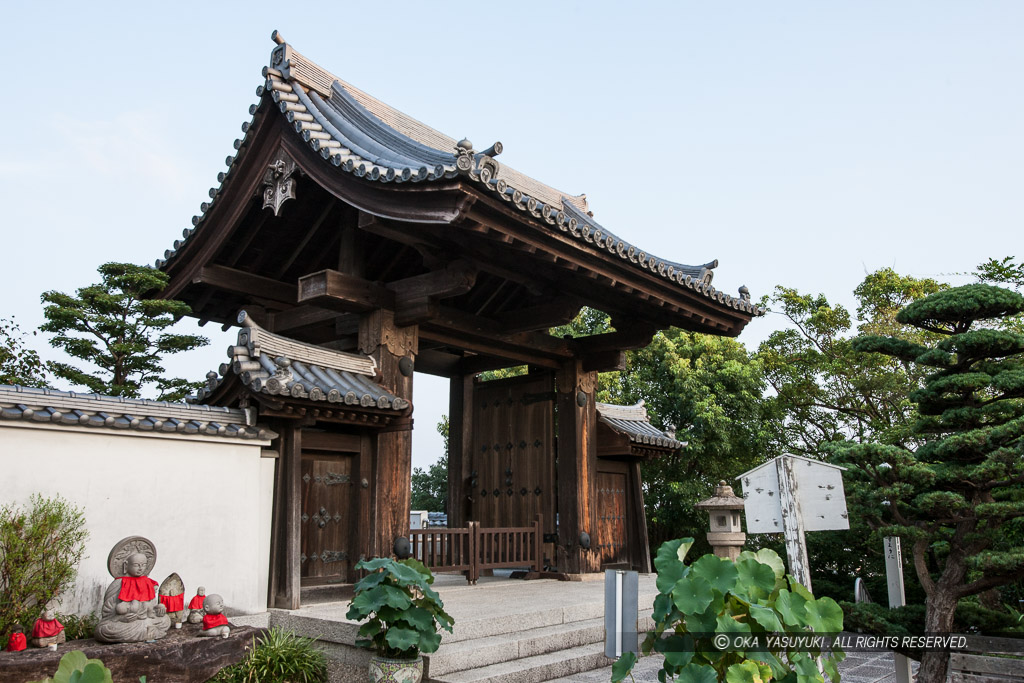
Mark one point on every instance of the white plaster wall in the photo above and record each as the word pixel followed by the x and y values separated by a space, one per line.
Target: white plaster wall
pixel 204 502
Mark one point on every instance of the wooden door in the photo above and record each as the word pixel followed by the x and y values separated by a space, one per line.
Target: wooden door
pixel 612 517
pixel 513 453
pixel 327 519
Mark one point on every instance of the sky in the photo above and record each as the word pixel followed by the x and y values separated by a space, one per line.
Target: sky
pixel 802 144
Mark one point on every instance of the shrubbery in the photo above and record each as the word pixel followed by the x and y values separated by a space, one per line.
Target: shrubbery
pixel 40 548
pixel 278 657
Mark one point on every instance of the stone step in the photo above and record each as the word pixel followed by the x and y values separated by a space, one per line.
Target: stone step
pixel 534 669
pixel 514 622
pixel 466 654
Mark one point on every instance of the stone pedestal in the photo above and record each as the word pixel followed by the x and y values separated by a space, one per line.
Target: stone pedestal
pixel 727 544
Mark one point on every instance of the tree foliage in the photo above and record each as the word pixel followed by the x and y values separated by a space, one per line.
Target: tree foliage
pixel 430 487
pixel 709 391
pixel 119 326
pixel 954 488
pixel 41 546
pixel 825 390
pixel 19 363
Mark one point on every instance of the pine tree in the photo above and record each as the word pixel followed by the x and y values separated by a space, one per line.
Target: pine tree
pixel 952 498
pixel 119 325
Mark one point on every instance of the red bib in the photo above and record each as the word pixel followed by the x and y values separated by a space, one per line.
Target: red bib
pixel 173 603
pixel 17 642
pixel 197 602
pixel 137 588
pixel 46 629
pixel 214 620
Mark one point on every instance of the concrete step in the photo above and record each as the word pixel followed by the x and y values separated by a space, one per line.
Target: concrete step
pixel 534 669
pixel 478 652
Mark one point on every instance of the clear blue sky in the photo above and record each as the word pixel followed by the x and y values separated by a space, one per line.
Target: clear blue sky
pixel 800 143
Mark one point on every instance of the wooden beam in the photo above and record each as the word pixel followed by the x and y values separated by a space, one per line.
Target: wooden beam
pixel 452 280
pixel 343 292
pixel 552 314
pixel 632 335
pixel 508 354
pixel 605 361
pixel 413 299
pixel 238 281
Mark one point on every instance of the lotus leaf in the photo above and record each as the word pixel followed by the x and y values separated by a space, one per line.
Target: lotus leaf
pixel 692 594
pixel 669 563
pixel 719 572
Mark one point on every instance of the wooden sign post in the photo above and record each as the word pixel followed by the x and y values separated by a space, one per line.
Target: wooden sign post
pixel 794 495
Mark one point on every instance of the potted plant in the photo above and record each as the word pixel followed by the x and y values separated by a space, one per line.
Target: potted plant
pixel 403 614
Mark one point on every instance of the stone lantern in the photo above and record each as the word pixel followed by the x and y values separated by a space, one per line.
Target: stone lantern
pixel 726 535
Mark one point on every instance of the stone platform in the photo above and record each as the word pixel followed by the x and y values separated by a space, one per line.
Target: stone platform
pixel 179 657
pixel 506 630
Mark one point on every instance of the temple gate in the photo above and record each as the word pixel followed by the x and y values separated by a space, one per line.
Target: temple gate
pixel 363 246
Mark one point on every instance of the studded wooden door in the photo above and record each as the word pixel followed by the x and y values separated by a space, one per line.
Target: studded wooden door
pixel 612 523
pixel 513 461
pixel 327 517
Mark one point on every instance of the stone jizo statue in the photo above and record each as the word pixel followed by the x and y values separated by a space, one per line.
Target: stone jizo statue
pixel 215 623
pixel 47 631
pixel 195 607
pixel 131 611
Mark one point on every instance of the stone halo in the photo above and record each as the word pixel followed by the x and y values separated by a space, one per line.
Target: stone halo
pixel 127 547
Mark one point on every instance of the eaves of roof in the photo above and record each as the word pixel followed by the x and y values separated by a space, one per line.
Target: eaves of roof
pixel 632 421
pixel 368 139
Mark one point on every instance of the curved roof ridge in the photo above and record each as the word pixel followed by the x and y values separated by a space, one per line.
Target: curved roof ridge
pixel 351 108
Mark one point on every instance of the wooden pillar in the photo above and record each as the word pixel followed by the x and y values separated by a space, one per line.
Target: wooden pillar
pixel 286 531
pixel 365 493
pixel 389 345
pixel 460 444
pixel 641 550
pixel 577 468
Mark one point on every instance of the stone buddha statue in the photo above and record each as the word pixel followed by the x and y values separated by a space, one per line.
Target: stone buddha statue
pixel 131 611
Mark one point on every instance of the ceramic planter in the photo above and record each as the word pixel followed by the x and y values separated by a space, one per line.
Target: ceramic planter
pixel 383 670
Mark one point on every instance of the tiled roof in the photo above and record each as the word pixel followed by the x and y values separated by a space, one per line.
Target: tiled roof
pixel 632 421
pixel 365 137
pixel 69 408
pixel 271 364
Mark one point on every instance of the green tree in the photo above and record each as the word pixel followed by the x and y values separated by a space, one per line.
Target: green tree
pixel 41 546
pixel 19 363
pixel 709 391
pixel 953 496
pixel 120 326
pixel 824 389
pixel 430 487
pixel 825 393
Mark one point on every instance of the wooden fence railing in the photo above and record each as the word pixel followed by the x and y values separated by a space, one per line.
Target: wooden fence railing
pixel 475 548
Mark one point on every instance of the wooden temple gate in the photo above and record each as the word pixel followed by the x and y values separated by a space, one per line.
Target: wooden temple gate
pixel 363 245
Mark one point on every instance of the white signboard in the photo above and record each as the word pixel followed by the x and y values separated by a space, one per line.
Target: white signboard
pixel 819 487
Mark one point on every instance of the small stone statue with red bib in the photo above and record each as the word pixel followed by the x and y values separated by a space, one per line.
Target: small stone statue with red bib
pixel 17 642
pixel 47 631
pixel 215 623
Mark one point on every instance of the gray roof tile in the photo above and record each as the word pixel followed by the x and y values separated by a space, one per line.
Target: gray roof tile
pixel 271 364
pixel 632 421
pixel 367 138
pixel 69 408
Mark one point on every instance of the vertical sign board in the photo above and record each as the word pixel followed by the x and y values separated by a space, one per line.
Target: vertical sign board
pixel 621 612
pixel 897 597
